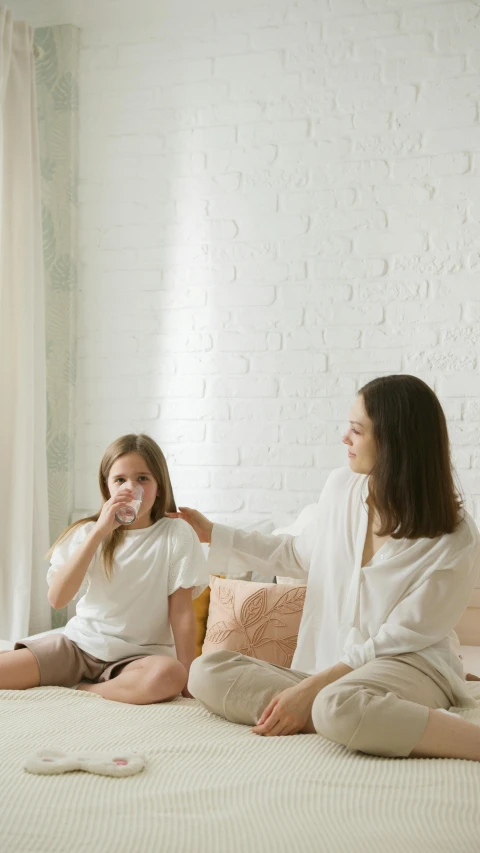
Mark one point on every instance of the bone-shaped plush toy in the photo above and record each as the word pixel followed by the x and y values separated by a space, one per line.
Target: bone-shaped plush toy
pixel 51 761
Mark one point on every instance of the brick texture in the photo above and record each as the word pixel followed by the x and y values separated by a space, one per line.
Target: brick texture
pixel 278 201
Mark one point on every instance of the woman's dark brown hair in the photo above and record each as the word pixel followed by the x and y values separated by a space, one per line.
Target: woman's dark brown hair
pixel 412 484
pixel 164 502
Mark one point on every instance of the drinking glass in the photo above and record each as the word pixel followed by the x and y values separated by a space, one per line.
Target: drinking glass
pixel 128 514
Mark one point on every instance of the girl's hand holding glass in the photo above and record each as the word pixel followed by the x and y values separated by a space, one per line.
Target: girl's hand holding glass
pixel 108 521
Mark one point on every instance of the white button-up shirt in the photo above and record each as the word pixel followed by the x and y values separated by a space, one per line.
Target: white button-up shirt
pixel 408 598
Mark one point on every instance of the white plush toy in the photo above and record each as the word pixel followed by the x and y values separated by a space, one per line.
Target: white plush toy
pixel 50 761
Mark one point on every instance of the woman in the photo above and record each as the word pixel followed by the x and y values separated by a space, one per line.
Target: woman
pixel 392 559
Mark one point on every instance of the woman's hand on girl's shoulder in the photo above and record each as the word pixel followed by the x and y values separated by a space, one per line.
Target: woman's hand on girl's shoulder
pixel 200 523
pixel 107 522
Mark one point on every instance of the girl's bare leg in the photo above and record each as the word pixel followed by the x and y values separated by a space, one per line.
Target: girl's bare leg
pixel 19 670
pixel 143 682
pixel 448 736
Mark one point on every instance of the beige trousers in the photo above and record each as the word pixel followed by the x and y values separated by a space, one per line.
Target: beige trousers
pixel 380 708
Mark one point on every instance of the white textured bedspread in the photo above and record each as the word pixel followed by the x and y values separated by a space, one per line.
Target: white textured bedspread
pixel 214 787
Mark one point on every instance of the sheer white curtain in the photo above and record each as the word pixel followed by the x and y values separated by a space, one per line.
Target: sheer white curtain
pixel 23 471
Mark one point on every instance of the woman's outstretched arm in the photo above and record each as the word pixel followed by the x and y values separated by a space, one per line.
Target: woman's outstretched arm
pixel 238 550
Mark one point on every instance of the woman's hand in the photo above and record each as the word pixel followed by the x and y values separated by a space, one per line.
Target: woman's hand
pixel 470 677
pixel 107 522
pixel 291 711
pixel 288 713
pixel 201 525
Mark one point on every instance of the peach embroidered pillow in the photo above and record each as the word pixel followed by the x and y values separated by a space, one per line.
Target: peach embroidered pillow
pixel 256 619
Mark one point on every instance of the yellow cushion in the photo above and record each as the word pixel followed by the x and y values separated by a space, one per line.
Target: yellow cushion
pixel 200 606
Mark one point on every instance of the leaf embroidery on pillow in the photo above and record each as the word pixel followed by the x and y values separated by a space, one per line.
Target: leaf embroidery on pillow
pixel 259 632
pixel 289 642
pixel 291 602
pixel 219 632
pixel 255 618
pixel 253 608
pixel 226 597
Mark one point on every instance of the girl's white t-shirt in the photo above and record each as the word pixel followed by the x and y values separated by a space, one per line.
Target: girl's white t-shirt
pixel 408 598
pixel 128 615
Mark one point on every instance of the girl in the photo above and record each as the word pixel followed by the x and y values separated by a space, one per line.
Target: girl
pixel 392 559
pixel 133 636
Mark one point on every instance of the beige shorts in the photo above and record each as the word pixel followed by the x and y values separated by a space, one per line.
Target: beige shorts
pixel 63 664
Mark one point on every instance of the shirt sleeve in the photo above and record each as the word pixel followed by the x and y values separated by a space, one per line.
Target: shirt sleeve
pixel 234 550
pixel 187 567
pixel 426 615
pixel 64 550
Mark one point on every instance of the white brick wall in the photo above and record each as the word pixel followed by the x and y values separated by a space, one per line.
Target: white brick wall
pixel 278 201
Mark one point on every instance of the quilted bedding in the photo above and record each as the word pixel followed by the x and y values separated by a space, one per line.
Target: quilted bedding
pixel 213 787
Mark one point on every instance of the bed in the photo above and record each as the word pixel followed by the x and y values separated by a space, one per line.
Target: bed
pixel 212 787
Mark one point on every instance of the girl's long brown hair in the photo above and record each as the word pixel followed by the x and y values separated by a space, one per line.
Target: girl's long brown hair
pixel 412 483
pixel 164 502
